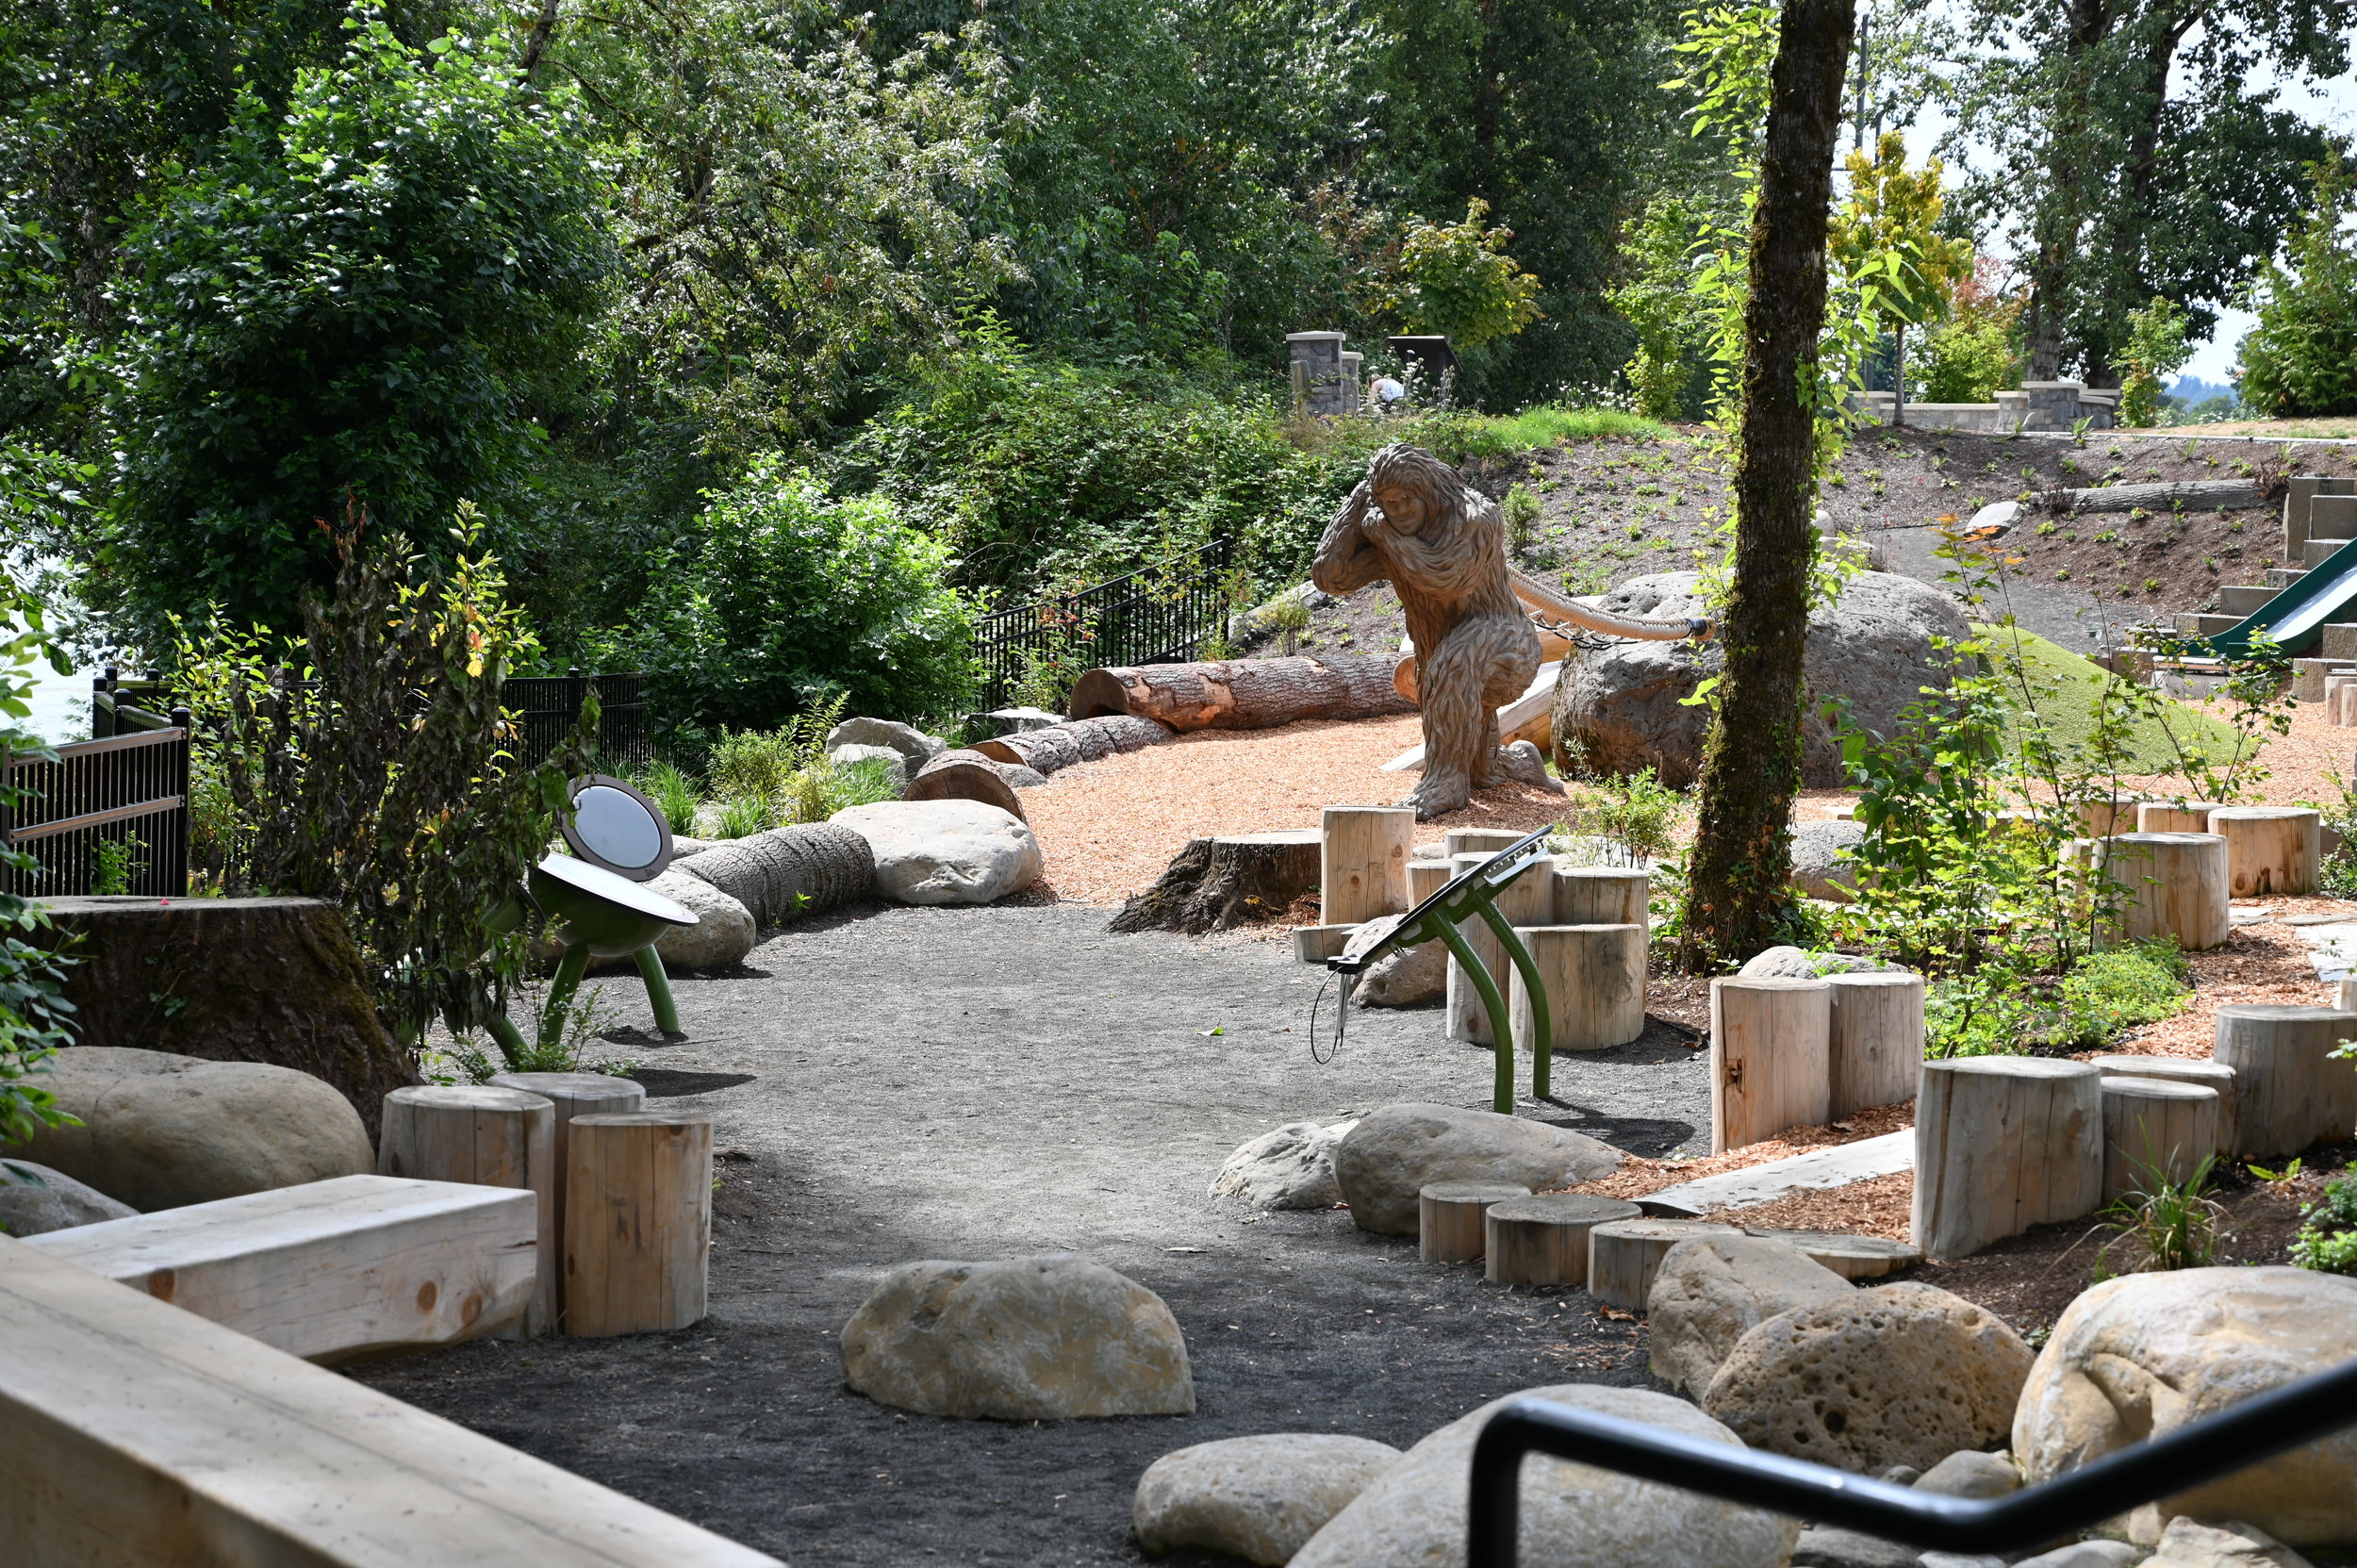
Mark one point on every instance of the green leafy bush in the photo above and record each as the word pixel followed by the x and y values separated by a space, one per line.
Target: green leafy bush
pixel 673 793
pixel 2301 358
pixel 2328 1241
pixel 1971 356
pixel 33 1012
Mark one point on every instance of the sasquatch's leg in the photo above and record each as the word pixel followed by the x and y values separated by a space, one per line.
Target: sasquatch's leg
pixel 1459 729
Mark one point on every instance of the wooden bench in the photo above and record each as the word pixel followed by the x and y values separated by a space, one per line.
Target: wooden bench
pixel 352 1267
pixel 140 1436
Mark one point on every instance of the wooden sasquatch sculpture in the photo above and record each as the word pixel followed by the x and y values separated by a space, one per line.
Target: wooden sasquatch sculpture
pixel 1443 546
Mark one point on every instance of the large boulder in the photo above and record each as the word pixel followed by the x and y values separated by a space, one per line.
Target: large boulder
pixel 1023 1339
pixel 1260 1498
pixel 1394 1153
pixel 1818 869
pixel 1713 1290
pixel 1406 977
pixel 945 851
pixel 158 1131
pixel 897 768
pixel 2143 1355
pixel 911 744
pixel 1901 1374
pixel 35 1200
pixel 1290 1168
pixel 786 874
pixel 724 931
pixel 1619 708
pixel 1572 1515
pixel 2229 1545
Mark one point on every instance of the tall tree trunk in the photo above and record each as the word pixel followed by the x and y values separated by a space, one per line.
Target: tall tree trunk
pixel 1736 896
pixel 2059 224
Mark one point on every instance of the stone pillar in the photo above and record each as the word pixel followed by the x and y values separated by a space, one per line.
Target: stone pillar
pixel 2013 411
pixel 2053 404
pixel 1317 359
pixel 1354 395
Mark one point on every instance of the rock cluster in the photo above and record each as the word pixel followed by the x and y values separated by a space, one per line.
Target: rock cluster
pixel 1290 1168
pixel 1395 1152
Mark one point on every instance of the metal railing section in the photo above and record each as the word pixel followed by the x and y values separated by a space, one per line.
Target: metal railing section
pixel 1155 615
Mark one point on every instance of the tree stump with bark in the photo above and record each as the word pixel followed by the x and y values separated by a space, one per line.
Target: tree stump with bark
pixel 1057 746
pixel 1243 694
pixel 968 775
pixel 1217 882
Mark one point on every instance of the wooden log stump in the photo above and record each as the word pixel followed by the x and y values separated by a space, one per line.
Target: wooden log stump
pixel 490 1137
pixel 1542 1240
pixel 1770 1042
pixel 2002 1143
pixel 965 775
pixel 1363 861
pixel 2182 1069
pixel 1316 944
pixel 1875 1040
pixel 2102 818
pixel 572 1095
pixel 2154 1130
pixel 1596 981
pixel 1852 1256
pixel 1625 1255
pixel 1243 694
pixel 2340 701
pixel 1601 896
pixel 1448 1218
pixel 1479 841
pixel 2171 885
pixel 2176 816
pixel 2289 1091
pixel 639 1228
pixel 1218 882
pixel 2268 848
pixel 1523 902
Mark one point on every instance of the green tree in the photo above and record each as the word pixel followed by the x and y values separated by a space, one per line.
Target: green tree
pixel 1457 280
pixel 376 297
pixel 1888 222
pixel 2156 346
pixel 2301 358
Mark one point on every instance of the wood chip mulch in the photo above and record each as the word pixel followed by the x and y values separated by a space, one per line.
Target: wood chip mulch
pixel 1639 1176
pixel 2262 963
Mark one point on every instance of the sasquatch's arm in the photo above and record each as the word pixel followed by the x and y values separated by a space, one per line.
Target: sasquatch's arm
pixel 1346 562
pixel 1456 561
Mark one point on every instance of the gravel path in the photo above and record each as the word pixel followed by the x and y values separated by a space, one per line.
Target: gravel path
pixel 970 1084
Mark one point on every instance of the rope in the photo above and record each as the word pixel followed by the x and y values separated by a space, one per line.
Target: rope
pixel 1342 1013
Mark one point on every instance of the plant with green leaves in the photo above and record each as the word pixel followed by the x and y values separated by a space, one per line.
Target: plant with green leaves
pixel 2165 1223
pixel 673 793
pixel 1636 814
pixel 2300 361
pixel 2328 1234
pixel 2157 347
pixel 1457 280
pixel 35 1018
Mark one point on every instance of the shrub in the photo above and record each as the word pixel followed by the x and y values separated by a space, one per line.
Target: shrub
pixel 2164 1224
pixel 2301 358
pixel 2328 1241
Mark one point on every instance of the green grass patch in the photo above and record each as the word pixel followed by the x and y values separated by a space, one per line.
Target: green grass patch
pixel 2067 686
pixel 1550 425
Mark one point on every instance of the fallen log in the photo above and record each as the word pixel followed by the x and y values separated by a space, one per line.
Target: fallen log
pixel 968 775
pixel 784 874
pixel 1218 882
pixel 1243 694
pixel 1045 750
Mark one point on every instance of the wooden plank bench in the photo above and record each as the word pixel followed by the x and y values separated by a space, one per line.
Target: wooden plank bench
pixel 140 1436
pixel 329 1270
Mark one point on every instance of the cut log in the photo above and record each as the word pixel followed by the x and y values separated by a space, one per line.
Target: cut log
pixel 1316 944
pixel 787 874
pixel 967 775
pixel 2182 1069
pixel 2173 816
pixel 2269 848
pixel 141 1436
pixel 1771 1040
pixel 638 1227
pixel 1874 1043
pixel 2289 1091
pixel 332 1270
pixel 1057 746
pixel 1449 1217
pixel 2002 1143
pixel 1524 901
pixel 1543 1240
pixel 572 1095
pixel 1217 882
pixel 1362 869
pixel 229 980
pixel 1625 1255
pixel 1243 694
pixel 2102 818
pixel 1596 981
pixel 1601 896
pixel 487 1137
pixel 2171 885
pixel 1852 1256
pixel 1481 841
pixel 2154 1130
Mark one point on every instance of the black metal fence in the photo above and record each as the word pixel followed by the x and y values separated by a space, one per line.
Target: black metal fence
pixel 1155 615
pixel 109 814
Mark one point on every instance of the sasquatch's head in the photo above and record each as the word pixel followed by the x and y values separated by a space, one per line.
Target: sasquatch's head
pixel 1415 488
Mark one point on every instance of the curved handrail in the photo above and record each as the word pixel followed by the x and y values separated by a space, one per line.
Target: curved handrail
pixel 1639 628
pixel 2257 1428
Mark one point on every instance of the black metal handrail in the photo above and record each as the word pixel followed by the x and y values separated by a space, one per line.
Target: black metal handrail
pixel 2257 1428
pixel 1155 615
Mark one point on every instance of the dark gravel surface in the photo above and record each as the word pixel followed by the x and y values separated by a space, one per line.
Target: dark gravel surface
pixel 906 1083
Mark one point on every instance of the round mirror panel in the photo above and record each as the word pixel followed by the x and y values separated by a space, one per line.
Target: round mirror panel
pixel 617 828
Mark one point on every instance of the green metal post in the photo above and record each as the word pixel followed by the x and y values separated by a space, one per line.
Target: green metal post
pixel 511 1040
pixel 658 988
pixel 1501 1031
pixel 569 969
pixel 1541 1027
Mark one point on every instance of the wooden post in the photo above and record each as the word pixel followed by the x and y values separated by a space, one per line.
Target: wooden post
pixel 1770 1042
pixel 1543 1240
pixel 1363 863
pixel 1523 902
pixel 2171 884
pixel 2182 1069
pixel 1875 1040
pixel 572 1095
pixel 1449 1217
pixel 2169 816
pixel 1425 878
pixel 2340 701
pixel 1479 841
pixel 492 1137
pixel 639 1228
pixel 2154 1130
pixel 1623 1255
pixel 1596 981
pixel 2269 848
pixel 1600 895
pixel 2002 1143
pixel 1316 944
pixel 2289 1091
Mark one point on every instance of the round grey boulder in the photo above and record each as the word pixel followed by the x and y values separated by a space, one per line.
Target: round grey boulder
pixel 1260 1498
pixel 1572 1515
pixel 1620 708
pixel 1711 1291
pixel 1022 1339
pixel 723 933
pixel 1818 869
pixel 1801 963
pixel 1406 977
pixel 911 744
pixel 161 1130
pixel 945 851
pixel 1290 1168
pixel 896 767
pixel 35 1200
pixel 1395 1152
